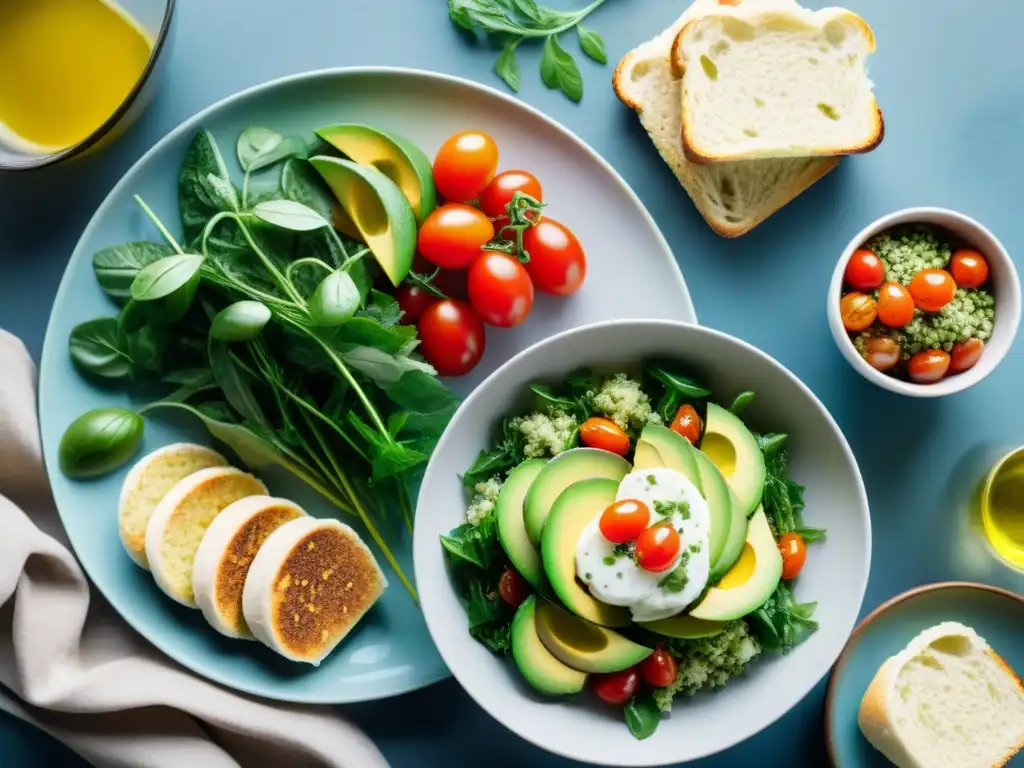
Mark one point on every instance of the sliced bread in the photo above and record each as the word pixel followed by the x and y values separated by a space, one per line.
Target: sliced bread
pixel 776 83
pixel 947 699
pixel 732 197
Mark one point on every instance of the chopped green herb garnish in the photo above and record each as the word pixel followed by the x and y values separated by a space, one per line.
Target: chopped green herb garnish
pixel 609 560
pixel 695 548
pixel 652 480
pixel 675 581
pixel 669 508
pixel 828 111
pixel 588 576
pixel 618 575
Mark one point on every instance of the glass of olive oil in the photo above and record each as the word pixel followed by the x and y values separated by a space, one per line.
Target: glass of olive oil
pixel 1002 508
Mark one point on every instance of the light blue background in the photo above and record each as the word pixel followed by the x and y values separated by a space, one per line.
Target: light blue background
pixel 951 83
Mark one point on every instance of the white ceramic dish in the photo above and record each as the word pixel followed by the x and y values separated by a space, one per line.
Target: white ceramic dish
pixel 1005 284
pixel 835 575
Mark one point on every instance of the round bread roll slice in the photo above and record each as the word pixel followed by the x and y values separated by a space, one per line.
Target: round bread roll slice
pixel 180 520
pixel 148 482
pixel 308 586
pixel 225 554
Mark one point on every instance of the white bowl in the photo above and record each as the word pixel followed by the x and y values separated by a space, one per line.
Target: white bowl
pixel 836 573
pixel 1005 288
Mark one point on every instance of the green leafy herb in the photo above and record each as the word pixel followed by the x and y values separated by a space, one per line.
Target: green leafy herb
pixel 473 544
pixel 742 401
pixel 652 480
pixel 162 278
pixel 783 499
pixel 781 623
pixel 99 442
pixel 95 349
pixel 240 321
pixel 116 267
pixel 609 560
pixel 772 442
pixel 642 715
pixel 592 45
pixel 548 398
pixel 289 214
pixel 678 579
pixel 258 148
pixel 507 67
pixel 669 508
pixel 334 301
pixel 674 382
pixel 558 70
pixel 199 199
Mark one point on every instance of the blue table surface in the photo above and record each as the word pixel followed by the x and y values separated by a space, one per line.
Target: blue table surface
pixel 951 83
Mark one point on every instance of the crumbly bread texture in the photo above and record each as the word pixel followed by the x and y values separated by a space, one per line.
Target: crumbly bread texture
pixel 733 197
pixel 225 554
pixel 148 482
pixel 180 520
pixel 946 700
pixel 308 586
pixel 776 83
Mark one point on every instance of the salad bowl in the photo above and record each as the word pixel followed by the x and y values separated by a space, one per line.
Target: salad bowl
pixel 581 727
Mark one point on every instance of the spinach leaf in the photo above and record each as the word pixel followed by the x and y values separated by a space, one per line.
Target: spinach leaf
pixel 781 623
pixel 234 384
pixel 642 715
pixel 199 198
pixel 547 398
pixel 258 148
pixel 490 618
pixel 771 442
pixel 487 465
pixel 381 368
pixel 686 387
pixel 116 267
pixel 95 349
pixel 473 544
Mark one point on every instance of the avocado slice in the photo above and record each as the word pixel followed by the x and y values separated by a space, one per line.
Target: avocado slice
pixel 733 544
pixel 378 209
pixel 574 509
pixel 585 646
pixel 684 627
pixel 508 509
pixel 537 664
pixel 750 581
pixel 393 155
pixel 734 450
pixel 716 493
pixel 673 451
pixel 561 472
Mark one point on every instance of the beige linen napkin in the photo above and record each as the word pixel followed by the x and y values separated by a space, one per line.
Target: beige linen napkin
pixel 78 671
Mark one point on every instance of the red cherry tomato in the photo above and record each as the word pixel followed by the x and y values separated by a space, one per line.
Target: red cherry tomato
pixel 657 547
pixel 624 520
pixel 659 669
pixel 687 423
pixel 928 366
pixel 895 306
pixel 965 355
pixel 605 435
pixel 499 289
pixel 864 271
pixel 452 235
pixel 794 554
pixel 451 282
pixel 617 688
pixel 464 165
pixel 557 264
pixel 451 337
pixel 413 301
pixel 969 268
pixel 858 311
pixel 513 587
pixel 499 192
pixel 932 289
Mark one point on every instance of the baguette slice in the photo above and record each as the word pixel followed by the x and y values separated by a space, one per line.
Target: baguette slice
pixel 732 197
pixel 947 699
pixel 776 83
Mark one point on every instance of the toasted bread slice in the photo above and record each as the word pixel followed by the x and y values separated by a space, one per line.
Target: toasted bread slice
pixel 225 554
pixel 308 586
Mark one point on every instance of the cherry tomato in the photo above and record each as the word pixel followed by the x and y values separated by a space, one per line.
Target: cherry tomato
pixel 513 587
pixel 557 264
pixel 451 282
pixel 686 422
pixel 881 353
pixel 451 337
pixel 895 305
pixel 965 355
pixel 858 311
pixel 657 547
pixel 617 688
pixel 624 520
pixel 605 435
pixel 928 366
pixel 659 669
pixel 499 192
pixel 932 289
pixel 794 554
pixel 413 301
pixel 969 268
pixel 464 165
pixel 864 271
pixel 499 289
pixel 452 235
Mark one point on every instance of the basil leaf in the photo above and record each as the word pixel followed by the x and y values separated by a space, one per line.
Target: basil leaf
pixel 772 442
pixel 592 45
pixel 288 214
pixel 558 70
pixel 117 266
pixel 334 301
pixel 162 278
pixel 253 142
pixel 99 441
pixel 742 401
pixel 507 67
pixel 95 349
pixel 487 465
pixel 240 321
pixel 382 369
pixel 642 715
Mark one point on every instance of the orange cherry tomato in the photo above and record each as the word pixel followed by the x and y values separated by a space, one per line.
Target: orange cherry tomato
pixel 686 422
pixel 624 520
pixel 881 353
pixel 794 554
pixel 965 355
pixel 932 289
pixel 452 235
pixel 969 268
pixel 895 305
pixel 858 311
pixel 605 435
pixel 659 669
pixel 617 688
pixel 513 587
pixel 464 165
pixel 864 271
pixel 657 547
pixel 928 366
pixel 498 194
pixel 557 264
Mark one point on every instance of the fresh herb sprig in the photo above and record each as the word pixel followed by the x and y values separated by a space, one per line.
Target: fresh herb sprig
pixel 510 22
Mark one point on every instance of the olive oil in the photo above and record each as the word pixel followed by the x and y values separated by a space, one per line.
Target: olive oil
pixel 1002 509
pixel 65 68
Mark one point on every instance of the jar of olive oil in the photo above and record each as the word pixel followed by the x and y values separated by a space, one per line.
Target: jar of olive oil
pixel 1002 508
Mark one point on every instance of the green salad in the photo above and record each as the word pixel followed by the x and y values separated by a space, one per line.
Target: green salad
pixel 632 535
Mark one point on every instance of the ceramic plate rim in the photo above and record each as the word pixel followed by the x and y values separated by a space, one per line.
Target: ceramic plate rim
pixel 685 306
